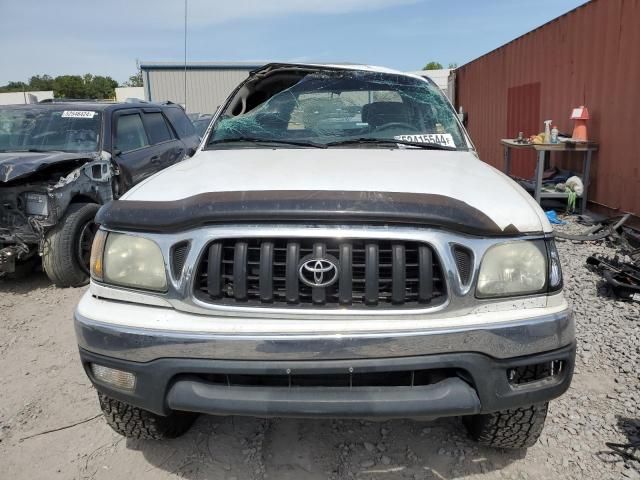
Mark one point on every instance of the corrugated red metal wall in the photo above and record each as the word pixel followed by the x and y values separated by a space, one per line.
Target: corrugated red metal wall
pixel 590 56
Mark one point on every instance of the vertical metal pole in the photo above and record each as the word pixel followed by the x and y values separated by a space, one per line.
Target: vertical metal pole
pixel 185 55
pixel 586 179
pixel 507 159
pixel 539 171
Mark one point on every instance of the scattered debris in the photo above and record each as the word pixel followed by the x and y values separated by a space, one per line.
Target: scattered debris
pixel 622 276
pixel 62 428
pixel 597 232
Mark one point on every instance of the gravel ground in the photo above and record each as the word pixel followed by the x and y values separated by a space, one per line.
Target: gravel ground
pixel 45 389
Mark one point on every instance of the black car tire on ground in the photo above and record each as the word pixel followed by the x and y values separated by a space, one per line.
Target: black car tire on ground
pixel 513 428
pixel 133 422
pixel 60 258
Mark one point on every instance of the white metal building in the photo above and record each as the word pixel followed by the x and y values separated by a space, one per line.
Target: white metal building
pixel 22 98
pixel 440 78
pixel 124 93
pixel 207 83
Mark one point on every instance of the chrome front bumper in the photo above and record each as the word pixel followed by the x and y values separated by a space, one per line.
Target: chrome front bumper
pixel 171 366
pixel 541 333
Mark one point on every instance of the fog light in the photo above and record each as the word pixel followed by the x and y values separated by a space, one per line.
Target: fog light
pixel 535 372
pixel 116 378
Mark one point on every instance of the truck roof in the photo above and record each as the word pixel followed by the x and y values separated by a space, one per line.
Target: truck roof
pixel 99 106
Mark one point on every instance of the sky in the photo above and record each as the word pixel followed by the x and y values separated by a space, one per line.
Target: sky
pixel 107 37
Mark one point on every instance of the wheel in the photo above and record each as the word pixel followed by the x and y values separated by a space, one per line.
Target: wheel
pixel 67 246
pixel 133 422
pixel 514 428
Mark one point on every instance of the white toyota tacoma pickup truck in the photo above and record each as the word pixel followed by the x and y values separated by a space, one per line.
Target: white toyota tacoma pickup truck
pixel 335 248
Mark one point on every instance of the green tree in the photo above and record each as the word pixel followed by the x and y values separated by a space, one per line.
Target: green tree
pixel 14 87
pixel 41 82
pixel 100 87
pixel 433 66
pixel 69 86
pixel 134 80
pixel 453 65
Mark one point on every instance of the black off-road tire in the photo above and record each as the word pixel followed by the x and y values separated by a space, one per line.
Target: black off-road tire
pixel 60 258
pixel 514 428
pixel 133 422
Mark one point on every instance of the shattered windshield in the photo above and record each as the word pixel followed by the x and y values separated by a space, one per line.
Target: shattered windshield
pixel 66 129
pixel 331 108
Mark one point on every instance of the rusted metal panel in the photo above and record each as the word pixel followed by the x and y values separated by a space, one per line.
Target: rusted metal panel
pixel 523 111
pixel 589 56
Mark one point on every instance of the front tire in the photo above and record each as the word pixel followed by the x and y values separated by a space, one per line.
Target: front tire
pixel 134 422
pixel 513 428
pixel 68 245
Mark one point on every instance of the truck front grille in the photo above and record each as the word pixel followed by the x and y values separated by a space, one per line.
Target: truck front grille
pixel 338 273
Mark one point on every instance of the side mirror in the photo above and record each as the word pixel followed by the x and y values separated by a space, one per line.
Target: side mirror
pixel 191 151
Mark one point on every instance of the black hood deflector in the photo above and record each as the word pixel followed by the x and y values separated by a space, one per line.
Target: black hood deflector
pixel 16 165
pixel 322 206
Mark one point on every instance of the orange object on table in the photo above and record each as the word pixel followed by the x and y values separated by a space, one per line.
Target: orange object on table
pixel 580 115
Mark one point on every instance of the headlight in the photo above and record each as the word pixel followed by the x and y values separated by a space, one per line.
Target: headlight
pixel 36 204
pixel 514 268
pixel 128 260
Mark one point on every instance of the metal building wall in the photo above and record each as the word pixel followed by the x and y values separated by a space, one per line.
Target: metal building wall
pixel 589 56
pixel 206 88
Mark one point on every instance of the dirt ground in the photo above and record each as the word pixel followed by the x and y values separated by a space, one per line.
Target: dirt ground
pixel 44 389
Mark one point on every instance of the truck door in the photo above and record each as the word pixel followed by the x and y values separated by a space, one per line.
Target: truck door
pixel 165 146
pixel 131 147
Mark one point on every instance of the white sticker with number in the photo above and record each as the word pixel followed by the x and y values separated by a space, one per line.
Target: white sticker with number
pixel 78 114
pixel 445 139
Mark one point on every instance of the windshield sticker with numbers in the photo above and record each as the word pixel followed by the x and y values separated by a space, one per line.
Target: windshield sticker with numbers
pixel 444 139
pixel 78 114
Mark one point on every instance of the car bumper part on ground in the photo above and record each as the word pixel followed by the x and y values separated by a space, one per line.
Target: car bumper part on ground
pixel 7 260
pixel 173 369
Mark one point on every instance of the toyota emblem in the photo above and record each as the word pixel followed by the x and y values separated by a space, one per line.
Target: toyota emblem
pixel 318 272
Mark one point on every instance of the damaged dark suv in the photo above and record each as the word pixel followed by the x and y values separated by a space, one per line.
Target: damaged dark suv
pixel 60 162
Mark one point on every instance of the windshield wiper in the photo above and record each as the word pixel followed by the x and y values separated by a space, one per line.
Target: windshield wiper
pixel 382 141
pixel 298 143
pixel 41 150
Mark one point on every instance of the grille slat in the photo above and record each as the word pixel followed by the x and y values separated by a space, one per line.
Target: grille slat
pixel 214 276
pixel 425 259
pixel 240 271
pixel 292 282
pixel 266 272
pixel 319 295
pixel 345 280
pixel 371 273
pixel 399 274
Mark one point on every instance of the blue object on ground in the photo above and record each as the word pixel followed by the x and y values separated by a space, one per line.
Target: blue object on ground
pixel 553 217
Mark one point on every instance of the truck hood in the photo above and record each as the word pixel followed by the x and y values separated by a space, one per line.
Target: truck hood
pixel 16 165
pixel 459 176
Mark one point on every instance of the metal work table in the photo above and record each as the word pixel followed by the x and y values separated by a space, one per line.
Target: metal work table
pixel 543 152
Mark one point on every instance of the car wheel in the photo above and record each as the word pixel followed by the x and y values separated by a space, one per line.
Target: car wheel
pixel 514 428
pixel 133 422
pixel 67 247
